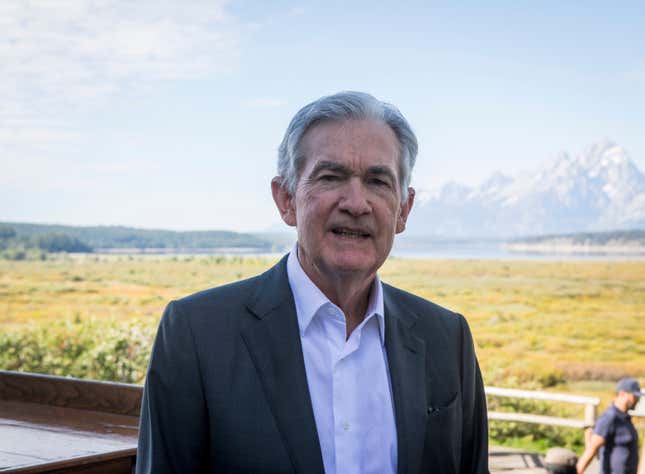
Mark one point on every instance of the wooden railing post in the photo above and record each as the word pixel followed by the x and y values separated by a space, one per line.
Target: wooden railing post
pixel 590 421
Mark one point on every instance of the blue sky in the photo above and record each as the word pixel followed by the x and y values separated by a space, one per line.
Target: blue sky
pixel 168 114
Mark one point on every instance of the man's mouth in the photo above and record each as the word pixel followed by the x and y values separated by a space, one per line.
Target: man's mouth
pixel 350 233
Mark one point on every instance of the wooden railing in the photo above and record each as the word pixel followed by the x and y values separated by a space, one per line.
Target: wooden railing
pixel 60 425
pixel 590 408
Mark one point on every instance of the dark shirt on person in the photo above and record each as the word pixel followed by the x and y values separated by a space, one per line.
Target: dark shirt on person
pixel 619 454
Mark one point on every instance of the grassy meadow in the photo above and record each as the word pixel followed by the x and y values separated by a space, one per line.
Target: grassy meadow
pixel 568 326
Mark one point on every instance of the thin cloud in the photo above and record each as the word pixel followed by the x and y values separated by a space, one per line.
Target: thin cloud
pixel 142 167
pixel 264 103
pixel 56 54
pixel 297 11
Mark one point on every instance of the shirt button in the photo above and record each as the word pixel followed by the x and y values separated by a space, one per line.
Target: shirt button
pixel 345 426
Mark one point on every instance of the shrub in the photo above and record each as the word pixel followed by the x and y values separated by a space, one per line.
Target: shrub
pixel 113 351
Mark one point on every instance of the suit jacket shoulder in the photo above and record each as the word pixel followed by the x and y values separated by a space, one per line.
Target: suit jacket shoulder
pixel 224 311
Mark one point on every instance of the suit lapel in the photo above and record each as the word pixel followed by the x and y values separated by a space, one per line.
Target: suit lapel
pixel 406 355
pixel 273 341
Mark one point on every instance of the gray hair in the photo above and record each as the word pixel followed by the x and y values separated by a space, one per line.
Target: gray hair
pixel 340 107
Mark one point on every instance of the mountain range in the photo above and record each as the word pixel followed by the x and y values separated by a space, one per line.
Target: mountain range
pixel 598 189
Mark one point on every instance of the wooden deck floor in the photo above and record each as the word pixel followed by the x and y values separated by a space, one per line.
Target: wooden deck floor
pixel 516 461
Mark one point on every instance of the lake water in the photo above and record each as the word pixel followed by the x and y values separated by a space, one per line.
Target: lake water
pixel 460 250
pixel 493 251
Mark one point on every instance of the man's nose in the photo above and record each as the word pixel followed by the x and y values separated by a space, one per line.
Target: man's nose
pixel 355 199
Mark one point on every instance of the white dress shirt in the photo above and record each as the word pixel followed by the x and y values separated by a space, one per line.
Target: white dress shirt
pixel 348 380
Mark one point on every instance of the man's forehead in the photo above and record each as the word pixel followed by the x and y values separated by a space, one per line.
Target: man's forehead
pixel 373 142
pixel 337 129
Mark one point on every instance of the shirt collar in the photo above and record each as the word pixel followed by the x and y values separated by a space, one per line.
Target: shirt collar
pixel 309 299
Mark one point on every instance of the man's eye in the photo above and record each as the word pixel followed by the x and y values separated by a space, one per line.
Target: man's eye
pixel 379 182
pixel 328 177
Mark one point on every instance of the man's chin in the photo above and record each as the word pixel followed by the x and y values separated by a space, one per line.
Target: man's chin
pixel 354 263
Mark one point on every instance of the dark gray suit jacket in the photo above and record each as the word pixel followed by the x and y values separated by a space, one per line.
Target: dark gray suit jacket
pixel 226 390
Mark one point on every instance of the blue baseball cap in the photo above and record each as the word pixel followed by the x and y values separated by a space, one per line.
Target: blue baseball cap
pixel 629 385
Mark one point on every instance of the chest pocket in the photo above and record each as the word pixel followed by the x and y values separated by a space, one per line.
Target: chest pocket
pixel 443 437
pixel 436 411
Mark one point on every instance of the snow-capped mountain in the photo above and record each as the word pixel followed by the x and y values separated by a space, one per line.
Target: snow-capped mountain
pixel 598 189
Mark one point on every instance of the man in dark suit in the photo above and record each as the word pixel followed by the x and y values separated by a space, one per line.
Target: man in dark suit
pixel 316 366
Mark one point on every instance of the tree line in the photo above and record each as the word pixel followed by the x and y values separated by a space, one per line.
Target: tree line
pixel 19 247
pixel 21 240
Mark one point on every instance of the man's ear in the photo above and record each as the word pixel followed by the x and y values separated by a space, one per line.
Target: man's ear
pixel 284 201
pixel 404 211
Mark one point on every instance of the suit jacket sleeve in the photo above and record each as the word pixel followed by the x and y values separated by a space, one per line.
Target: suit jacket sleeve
pixel 475 421
pixel 173 432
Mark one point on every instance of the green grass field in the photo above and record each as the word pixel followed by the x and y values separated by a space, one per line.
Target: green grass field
pixel 574 326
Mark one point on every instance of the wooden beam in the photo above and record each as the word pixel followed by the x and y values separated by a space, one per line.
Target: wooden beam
pixel 110 397
pixel 539 419
pixel 535 395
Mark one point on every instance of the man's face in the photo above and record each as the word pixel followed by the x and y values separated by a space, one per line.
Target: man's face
pixel 347 205
pixel 629 398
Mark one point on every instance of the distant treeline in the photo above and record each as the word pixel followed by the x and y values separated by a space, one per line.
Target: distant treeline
pixel 23 237
pixel 17 246
pixel 589 238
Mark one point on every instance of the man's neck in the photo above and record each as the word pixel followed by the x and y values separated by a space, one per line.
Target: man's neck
pixel 621 404
pixel 353 299
pixel 350 292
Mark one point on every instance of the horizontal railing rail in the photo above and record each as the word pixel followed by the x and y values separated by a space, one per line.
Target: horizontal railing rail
pixel 590 404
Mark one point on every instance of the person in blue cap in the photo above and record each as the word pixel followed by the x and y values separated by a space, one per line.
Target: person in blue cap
pixel 614 434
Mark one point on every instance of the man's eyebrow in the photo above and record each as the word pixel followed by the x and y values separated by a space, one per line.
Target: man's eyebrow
pixel 326 165
pixel 381 170
pixel 335 167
